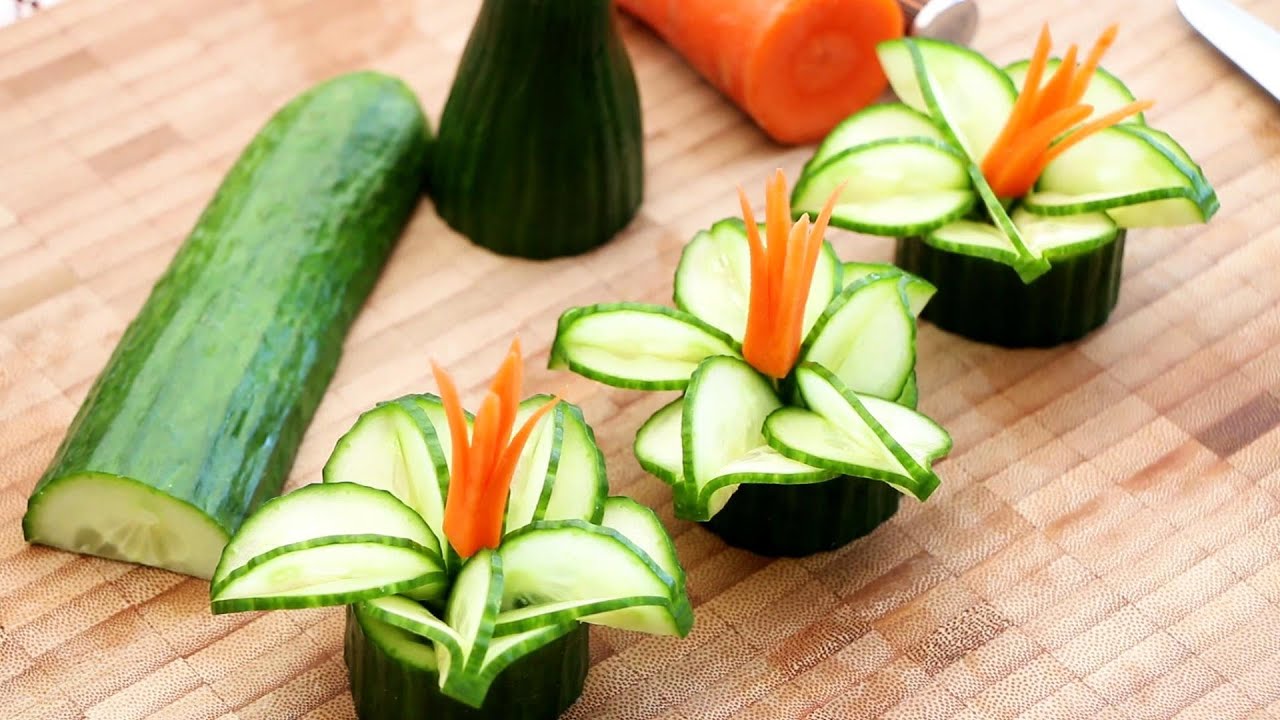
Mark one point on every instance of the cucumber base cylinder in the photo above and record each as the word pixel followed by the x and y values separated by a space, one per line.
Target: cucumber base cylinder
pixel 538 686
pixel 800 520
pixel 985 300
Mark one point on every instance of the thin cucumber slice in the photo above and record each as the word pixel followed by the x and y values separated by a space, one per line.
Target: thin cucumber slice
pixel 407 648
pixel 641 526
pixel 759 466
pixel 581 483
pixel 918 290
pixel 910 396
pixel 977 239
pixel 1026 262
pixel 658 446
pixel 635 346
pixel 394 447
pixel 713 280
pixel 550 563
pixel 958 87
pixel 405 614
pixel 335 570
pixel 877 122
pixel 1132 175
pixel 474 604
pixel 545 614
pixel 320 515
pixel 725 405
pixel 1059 237
pixel 858 435
pixel 895 187
pixel 867 337
pixel 1105 93
pixel 505 650
pixel 535 476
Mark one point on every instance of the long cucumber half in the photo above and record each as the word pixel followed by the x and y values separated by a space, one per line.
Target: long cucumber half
pixel 713 279
pixel 197 416
pixel 326 544
pixel 858 435
pixel 636 346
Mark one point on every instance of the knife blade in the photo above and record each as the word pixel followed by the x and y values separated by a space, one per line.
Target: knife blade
pixel 1249 43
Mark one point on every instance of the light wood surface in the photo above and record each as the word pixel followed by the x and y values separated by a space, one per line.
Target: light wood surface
pixel 1106 543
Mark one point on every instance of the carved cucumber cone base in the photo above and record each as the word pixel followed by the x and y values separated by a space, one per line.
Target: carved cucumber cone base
pixel 539 686
pixel 801 520
pixel 986 301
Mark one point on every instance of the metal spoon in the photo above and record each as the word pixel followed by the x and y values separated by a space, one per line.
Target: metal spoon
pixel 952 20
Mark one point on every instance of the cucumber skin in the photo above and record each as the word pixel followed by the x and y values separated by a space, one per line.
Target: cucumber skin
pixel 800 520
pixel 538 686
pixel 986 301
pixel 540 149
pixel 208 393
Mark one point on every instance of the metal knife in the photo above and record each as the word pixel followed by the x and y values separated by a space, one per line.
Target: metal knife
pixel 1252 45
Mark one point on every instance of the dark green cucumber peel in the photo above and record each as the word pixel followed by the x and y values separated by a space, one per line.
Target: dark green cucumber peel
pixel 198 414
pixel 986 301
pixel 800 520
pixel 540 146
pixel 538 686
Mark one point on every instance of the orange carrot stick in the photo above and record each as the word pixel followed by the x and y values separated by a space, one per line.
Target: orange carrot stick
pixel 1091 127
pixel 457 420
pixel 506 384
pixel 485 442
pixel 758 301
pixel 1010 181
pixel 1023 108
pixel 777 212
pixel 1080 84
pixel 1053 97
pixel 787 344
pixel 797 67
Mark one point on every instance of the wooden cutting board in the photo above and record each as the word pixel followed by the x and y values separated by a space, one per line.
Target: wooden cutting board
pixel 1106 543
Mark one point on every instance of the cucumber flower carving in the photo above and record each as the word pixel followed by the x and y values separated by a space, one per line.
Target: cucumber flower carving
pixel 485 537
pixel 794 368
pixel 1023 165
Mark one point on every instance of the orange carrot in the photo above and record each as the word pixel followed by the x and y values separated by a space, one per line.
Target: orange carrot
pixel 1026 144
pixel 482 468
pixel 1053 95
pixel 797 67
pixel 780 280
pixel 1081 82
pixel 1023 108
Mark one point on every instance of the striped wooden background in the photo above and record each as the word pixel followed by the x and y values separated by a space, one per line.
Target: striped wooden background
pixel 1106 543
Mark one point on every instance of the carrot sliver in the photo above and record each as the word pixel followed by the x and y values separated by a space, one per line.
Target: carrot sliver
pixel 484 443
pixel 1022 108
pixel 758 293
pixel 506 385
pixel 1080 85
pixel 1010 181
pixel 1094 126
pixel 787 341
pixel 1053 97
pixel 457 420
pixel 777 222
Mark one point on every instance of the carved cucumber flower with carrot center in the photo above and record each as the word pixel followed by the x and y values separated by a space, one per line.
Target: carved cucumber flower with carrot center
pixel 793 368
pixel 471 540
pixel 1041 160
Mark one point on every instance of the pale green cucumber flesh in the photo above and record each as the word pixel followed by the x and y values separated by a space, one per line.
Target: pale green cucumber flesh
pixel 867 337
pixel 636 346
pixel 877 122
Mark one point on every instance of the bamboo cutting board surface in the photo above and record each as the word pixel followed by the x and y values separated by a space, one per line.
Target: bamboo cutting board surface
pixel 1106 543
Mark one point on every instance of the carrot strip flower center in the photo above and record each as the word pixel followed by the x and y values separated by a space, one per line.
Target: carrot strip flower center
pixel 1033 135
pixel 782 267
pixel 484 460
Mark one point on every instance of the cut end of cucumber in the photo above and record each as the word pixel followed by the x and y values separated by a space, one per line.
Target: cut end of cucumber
pixel 120 518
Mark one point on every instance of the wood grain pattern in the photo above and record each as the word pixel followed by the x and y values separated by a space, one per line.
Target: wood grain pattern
pixel 1106 543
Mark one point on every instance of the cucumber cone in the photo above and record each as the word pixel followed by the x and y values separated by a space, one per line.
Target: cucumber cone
pixel 796 430
pixel 470 549
pixel 1034 173
pixel 393 677
pixel 540 153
